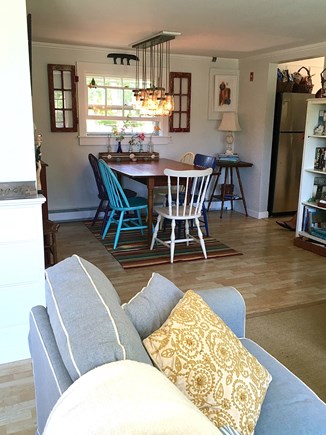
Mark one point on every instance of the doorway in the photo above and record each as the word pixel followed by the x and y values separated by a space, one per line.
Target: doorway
pixel 288 135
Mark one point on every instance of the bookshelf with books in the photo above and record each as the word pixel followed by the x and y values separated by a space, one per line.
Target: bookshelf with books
pixel 311 220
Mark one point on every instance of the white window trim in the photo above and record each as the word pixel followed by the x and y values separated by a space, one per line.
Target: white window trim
pixel 86 68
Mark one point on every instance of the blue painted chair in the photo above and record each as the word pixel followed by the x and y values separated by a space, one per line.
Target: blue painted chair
pixel 104 206
pixel 125 212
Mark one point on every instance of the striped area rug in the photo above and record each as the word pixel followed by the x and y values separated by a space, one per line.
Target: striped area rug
pixel 132 250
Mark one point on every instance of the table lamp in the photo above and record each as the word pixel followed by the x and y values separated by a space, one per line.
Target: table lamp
pixel 230 124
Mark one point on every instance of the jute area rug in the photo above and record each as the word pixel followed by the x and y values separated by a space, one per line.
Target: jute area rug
pixel 132 250
pixel 297 338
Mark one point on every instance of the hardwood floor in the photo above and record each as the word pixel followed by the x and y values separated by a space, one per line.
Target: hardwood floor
pixel 272 275
pixel 17 404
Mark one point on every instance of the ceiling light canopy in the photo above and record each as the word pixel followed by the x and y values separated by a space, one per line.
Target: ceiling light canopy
pixel 152 95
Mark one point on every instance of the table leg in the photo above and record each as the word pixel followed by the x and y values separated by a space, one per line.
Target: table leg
pixel 226 170
pixel 241 190
pixel 217 176
pixel 150 193
pixel 231 182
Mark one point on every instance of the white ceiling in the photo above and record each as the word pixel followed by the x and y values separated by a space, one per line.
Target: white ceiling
pixel 229 28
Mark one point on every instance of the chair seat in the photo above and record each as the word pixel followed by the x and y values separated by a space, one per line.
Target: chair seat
pixel 165 213
pixel 137 201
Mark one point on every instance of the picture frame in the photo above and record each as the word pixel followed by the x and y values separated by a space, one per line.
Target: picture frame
pixel 223 92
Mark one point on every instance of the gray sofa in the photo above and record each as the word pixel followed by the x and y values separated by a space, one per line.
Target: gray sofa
pixel 84 326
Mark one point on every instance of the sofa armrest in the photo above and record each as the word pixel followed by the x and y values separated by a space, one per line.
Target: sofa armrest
pixel 229 305
pixel 51 378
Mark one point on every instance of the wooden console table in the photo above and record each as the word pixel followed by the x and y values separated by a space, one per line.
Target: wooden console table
pixel 228 175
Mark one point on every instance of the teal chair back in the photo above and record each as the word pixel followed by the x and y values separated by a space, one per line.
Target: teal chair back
pixel 116 195
pixel 125 212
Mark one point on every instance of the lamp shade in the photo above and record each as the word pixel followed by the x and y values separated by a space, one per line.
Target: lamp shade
pixel 229 122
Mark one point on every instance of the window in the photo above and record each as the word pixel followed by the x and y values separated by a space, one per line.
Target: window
pixel 62 98
pixel 105 101
pixel 110 106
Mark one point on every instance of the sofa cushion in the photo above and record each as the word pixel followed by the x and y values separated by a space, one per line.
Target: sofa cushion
pixel 126 397
pixel 290 407
pixel 150 307
pixel 204 358
pixel 88 323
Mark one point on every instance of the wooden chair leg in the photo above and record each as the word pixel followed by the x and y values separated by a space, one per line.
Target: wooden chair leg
pixel 172 240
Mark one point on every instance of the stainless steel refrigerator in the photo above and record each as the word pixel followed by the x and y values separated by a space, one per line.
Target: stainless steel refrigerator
pixel 287 147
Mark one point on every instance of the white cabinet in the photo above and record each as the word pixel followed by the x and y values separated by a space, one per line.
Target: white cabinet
pixel 311 221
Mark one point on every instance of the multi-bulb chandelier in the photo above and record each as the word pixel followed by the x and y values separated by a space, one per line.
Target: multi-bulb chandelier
pixel 152 95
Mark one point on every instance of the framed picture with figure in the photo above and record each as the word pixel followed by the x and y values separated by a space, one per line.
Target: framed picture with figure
pixel 223 92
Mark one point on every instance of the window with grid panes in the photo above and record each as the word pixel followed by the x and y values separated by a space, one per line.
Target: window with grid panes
pixel 110 106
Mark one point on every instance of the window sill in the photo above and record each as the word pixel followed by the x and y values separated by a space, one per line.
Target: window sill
pixel 104 140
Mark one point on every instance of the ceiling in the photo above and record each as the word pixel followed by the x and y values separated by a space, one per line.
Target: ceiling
pixel 229 28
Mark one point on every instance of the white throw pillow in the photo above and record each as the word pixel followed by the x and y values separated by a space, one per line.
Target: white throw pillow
pixel 126 398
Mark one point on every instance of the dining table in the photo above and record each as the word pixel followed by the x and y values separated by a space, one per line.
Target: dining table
pixel 151 173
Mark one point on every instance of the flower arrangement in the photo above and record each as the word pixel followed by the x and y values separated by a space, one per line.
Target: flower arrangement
pixel 150 144
pixel 136 139
pixel 119 135
pixel 156 130
pixel 38 156
pixel 38 151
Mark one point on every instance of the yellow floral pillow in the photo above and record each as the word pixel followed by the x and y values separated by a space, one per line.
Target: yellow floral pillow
pixel 200 354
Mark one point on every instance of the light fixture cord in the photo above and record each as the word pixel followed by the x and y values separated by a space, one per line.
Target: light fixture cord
pixel 137 68
pixel 167 52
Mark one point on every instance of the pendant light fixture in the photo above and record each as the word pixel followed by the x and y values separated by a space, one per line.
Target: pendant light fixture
pixel 152 95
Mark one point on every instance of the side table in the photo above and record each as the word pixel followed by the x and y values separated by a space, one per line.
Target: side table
pixel 228 174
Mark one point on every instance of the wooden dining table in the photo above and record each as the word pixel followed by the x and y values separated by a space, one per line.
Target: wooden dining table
pixel 151 173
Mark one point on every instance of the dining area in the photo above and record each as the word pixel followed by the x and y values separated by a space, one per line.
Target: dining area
pixel 185 180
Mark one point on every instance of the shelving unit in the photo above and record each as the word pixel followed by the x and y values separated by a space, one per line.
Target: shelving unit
pixel 311 220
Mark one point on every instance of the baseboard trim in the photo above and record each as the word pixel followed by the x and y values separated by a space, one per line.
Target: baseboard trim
pixel 71 215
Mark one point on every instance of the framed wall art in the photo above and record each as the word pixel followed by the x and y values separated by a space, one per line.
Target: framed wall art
pixel 223 92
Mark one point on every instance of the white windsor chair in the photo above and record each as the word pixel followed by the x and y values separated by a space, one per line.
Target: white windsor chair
pixel 186 194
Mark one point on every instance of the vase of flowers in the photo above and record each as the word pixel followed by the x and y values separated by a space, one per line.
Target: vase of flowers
pixel 119 149
pixel 136 139
pixel 119 136
pixel 132 142
pixel 38 156
pixel 140 138
pixel 150 145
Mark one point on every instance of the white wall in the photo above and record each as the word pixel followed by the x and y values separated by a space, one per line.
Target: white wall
pixel 71 187
pixel 15 117
pixel 21 236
